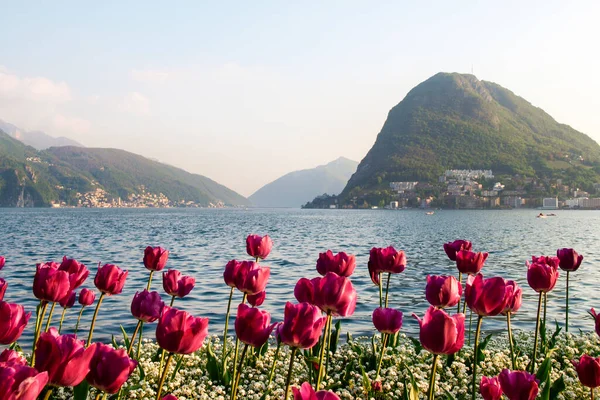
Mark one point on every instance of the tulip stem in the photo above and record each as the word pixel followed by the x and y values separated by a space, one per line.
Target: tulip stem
pixel 431 391
pixel 289 374
pixel 164 376
pixel 322 353
pixel 567 315
pixel 545 307
pixel 327 349
pixel 239 373
pixel 380 291
pixel 460 284
pixel 591 389
pixel 99 396
pixel 37 333
pixel 139 346
pixel 226 327
pixel 476 350
pixel 50 317
pixel 470 323
pixel 237 343
pixel 48 393
pixel 135 331
pixel 150 280
pixel 465 306
pixel 78 320
pixel 274 363
pixel 89 341
pixel 387 289
pixel 537 331
pixel 384 339
pixel 172 301
pixel 510 341
pixel 62 318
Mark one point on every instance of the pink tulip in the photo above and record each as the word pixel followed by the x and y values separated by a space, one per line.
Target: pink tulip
pixel 256 300
pixel 341 263
pixel 86 297
pixel 513 295
pixel 588 370
pixel 569 260
pixel 387 320
pixel 176 285
pixel 468 262
pixel 169 397
pixel 451 248
pixel 231 271
pixel 12 357
pixel 518 385
pixel 110 279
pixel 332 293
pixel 258 247
pixel 306 392
pixel 596 320
pixel 20 382
pixel 443 291
pixel 109 368
pixel 146 306
pixel 13 322
pixel 49 283
pixel 155 258
pixel 69 300
pixel 486 297
pixel 78 272
pixel 251 278
pixel 304 291
pixel 542 273
pixel 490 388
pixel 65 358
pixel 253 326
pixel 179 332
pixel 302 325
pixel 441 333
pixel 385 260
pixel 3 287
pixel 2 262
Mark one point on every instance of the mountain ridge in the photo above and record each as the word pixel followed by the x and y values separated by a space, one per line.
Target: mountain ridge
pixel 36 139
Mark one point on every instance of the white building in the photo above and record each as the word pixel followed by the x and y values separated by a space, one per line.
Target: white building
pixel 550 203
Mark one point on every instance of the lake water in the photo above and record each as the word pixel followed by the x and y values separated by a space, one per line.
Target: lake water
pixel 202 241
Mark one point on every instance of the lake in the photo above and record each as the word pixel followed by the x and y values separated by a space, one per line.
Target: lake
pixel 201 241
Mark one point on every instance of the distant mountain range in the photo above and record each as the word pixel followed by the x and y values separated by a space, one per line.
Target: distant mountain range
pixel 298 187
pixel 36 139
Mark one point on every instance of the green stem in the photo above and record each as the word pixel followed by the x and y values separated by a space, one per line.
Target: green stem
pixel 237 343
pixel 139 346
pixel 476 349
pixel 89 341
pixel 470 324
pixel 545 307
pixel 327 348
pixel 135 331
pixel 164 376
pixel 225 332
pixel 384 339
pixel 239 374
pixel 465 306
pixel 37 333
pixel 50 317
pixel 567 314
pixel 510 341
pixel 431 391
pixel 78 320
pixel 172 301
pixel 289 374
pixel 62 318
pixel 274 363
pixel 150 280
pixel 387 289
pixel 48 393
pixel 99 396
pixel 380 291
pixel 322 353
pixel 592 393
pixel 460 283
pixel 537 331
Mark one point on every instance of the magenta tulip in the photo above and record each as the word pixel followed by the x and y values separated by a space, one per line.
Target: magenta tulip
pixel 3 287
pixel 342 264
pixel 177 285
pixel 542 273
pixel 65 358
pixel 109 368
pixel 169 397
pixel 86 297
pixel 588 370
pixel 387 320
pixel 253 326
pixel 569 260
pixel 302 325
pixel 2 262
pixel 451 248
pixel 486 297
pixel 50 284
pixel 304 291
pixel 231 272
pixel 332 293
pixel 155 258
pixel 596 320
pixel 69 300
pixel 78 272
pixel 12 357
pixel 443 291
pixel 490 388
pixel 110 279
pixel 251 278
pixel 20 382
pixel 306 392
pixel 441 333
pixel 385 260
pixel 518 385
pixel 179 332
pixel 468 262
pixel 146 306
pixel 256 300
pixel 513 296
pixel 258 247
pixel 13 321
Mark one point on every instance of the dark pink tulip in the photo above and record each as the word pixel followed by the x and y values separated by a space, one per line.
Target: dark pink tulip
pixel 468 262
pixel 518 385
pixel 569 260
pixel 588 370
pixel 3 287
pixel 342 264
pixel 306 392
pixel 513 295
pixel 253 326
pixel 486 297
pixel 2 262
pixel 78 272
pixel 302 325
pixel 387 260
pixel 13 321
pixel 20 382
pixel 597 320
pixel 49 283
pixel 441 333
pixel 109 368
pixel 86 297
pixel 65 358
pixel 443 291
pixel 110 279
pixel 155 258
pixel 251 278
pixel 12 357
pixel 169 397
pixel 231 272
pixel 258 247
pixel 387 320
pixel 490 388
pixel 177 285
pixel 69 300
pixel 542 273
pixel 146 306
pixel 304 291
pixel 335 295
pixel 256 300
pixel 179 332
pixel 451 248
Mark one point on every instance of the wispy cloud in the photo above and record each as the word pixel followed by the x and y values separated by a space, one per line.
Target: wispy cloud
pixel 35 88
pixel 135 103
pixel 149 75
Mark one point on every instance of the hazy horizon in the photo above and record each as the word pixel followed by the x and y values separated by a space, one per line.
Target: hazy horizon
pixel 245 93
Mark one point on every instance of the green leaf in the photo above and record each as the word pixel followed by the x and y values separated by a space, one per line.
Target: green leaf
pixel 142 372
pixel 348 337
pixel 366 380
pixel 554 338
pixel 482 346
pixel 416 344
pixel 545 395
pixel 449 396
pixel 413 393
pixel 543 371
pixel 125 337
pixel 178 366
pixel 557 387
pixel 333 341
pixel 450 360
pixel 80 392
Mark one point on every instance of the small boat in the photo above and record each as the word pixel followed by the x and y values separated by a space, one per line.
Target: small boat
pixel 541 215
pixel 429 213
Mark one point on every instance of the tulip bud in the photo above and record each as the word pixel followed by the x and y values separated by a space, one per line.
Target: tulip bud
pixel 169 397
pixel 3 287
pixel 21 382
pixel 69 300
pixel 110 279
pixel 155 258
pixel 49 283
pixel 468 262
pixel 451 248
pixel 490 388
pixel 332 293
pixel 443 291
pixel 302 325
pixel 231 272
pixel 542 273
pixel 14 320
pixel 253 326
pixel 179 332
pixel 78 272
pixel 146 306
pixel 518 385
pixel 256 300
pixel 387 260
pixel 513 296
pixel 12 357
pixel 176 285
pixel 441 333
pixel 341 263
pixel 569 260
pixel 306 392
pixel 588 371
pixel 109 368
pixel 387 320
pixel 2 262
pixel 258 247
pixel 86 297
pixel 486 297
pixel 596 320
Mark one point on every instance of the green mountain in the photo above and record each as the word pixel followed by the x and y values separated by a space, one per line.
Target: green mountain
pixel 38 178
pixel 455 121
pixel 298 187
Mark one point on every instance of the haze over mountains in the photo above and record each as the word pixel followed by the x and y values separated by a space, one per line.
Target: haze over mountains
pixel 36 139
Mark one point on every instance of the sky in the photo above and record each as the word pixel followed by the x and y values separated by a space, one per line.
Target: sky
pixel 244 92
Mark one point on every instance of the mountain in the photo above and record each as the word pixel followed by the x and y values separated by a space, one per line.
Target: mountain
pixel 29 177
pixel 36 139
pixel 455 121
pixel 298 187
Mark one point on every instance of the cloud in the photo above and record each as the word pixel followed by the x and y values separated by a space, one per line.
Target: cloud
pixel 71 124
pixel 37 88
pixel 149 75
pixel 135 103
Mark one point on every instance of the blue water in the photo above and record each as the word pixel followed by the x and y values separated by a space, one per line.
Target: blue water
pixel 202 241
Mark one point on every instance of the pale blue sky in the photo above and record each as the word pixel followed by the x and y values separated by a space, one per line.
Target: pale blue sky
pixel 244 92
